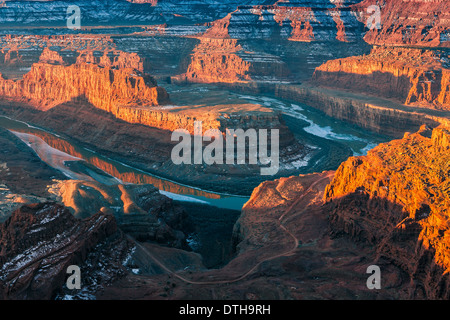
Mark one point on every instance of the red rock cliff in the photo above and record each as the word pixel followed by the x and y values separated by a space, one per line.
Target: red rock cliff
pixel 396 199
pixel 412 76
pixel 108 88
pixel 216 60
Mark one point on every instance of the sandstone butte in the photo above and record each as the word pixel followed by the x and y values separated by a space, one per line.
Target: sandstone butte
pixel 107 88
pixel 50 57
pixel 48 234
pixel 408 22
pixel 396 200
pixel 414 77
pixel 216 60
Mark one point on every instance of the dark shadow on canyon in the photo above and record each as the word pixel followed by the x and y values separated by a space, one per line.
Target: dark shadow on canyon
pixel 393 240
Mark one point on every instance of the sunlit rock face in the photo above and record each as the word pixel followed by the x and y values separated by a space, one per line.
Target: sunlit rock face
pixel 40 241
pixel 408 22
pixel 397 200
pixel 106 87
pixel 112 58
pixel 391 206
pixel 217 60
pixel 415 77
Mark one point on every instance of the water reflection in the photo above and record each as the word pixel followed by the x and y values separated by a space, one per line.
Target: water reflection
pixel 123 172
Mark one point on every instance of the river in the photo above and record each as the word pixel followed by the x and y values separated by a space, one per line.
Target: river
pixel 60 153
pixel 309 126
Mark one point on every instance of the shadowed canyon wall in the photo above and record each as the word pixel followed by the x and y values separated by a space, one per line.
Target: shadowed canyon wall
pixel 295 21
pixel 396 199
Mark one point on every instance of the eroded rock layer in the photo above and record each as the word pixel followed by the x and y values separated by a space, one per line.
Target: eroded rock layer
pixel 47 85
pixel 140 210
pixel 412 76
pixel 294 20
pixel 407 22
pixel 396 200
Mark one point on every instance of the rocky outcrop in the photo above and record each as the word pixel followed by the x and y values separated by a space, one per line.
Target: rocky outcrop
pixel 396 200
pixel 39 242
pixel 407 22
pixel 140 210
pixel 216 60
pixel 392 205
pixel 258 226
pixel 412 76
pixel 107 88
pixel 50 57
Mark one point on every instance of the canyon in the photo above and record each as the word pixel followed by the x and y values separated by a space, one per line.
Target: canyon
pixel 324 229
pixel 364 121
pixel 110 84
pixel 313 236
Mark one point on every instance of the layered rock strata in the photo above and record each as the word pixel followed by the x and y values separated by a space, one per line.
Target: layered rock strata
pixel 396 200
pixel 47 85
pixel 414 77
pixel 217 60
pixel 422 23
pixel 140 210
